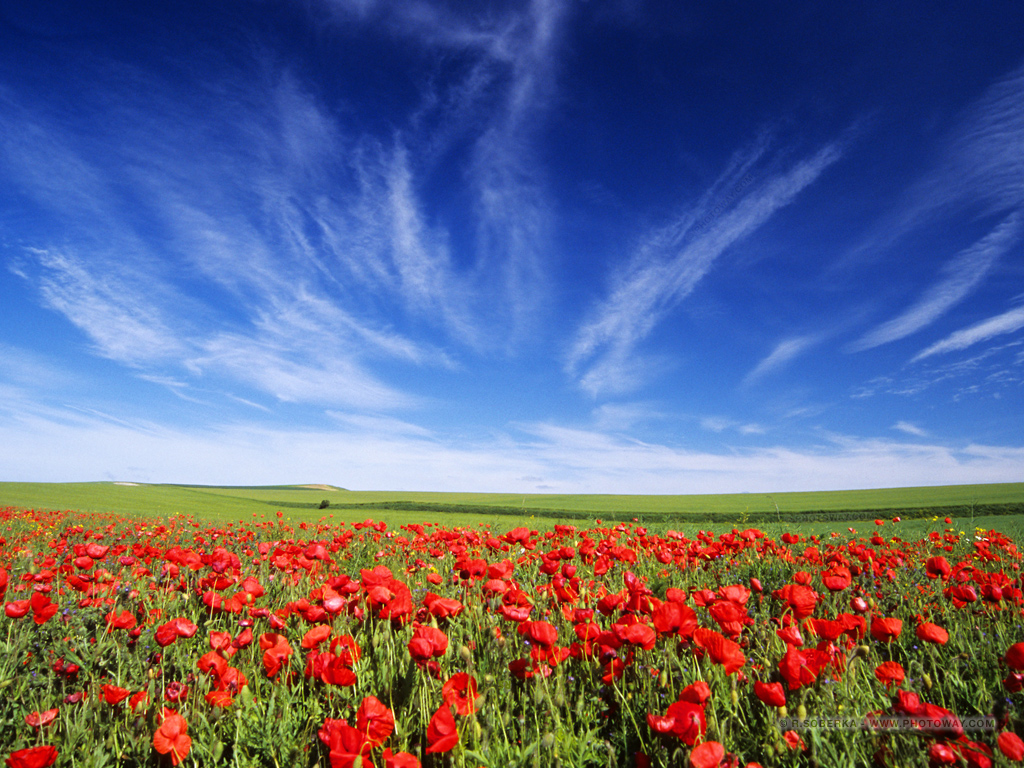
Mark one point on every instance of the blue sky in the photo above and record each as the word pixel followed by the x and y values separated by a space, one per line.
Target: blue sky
pixel 549 246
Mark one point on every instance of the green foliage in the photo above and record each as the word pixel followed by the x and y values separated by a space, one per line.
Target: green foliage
pixel 303 503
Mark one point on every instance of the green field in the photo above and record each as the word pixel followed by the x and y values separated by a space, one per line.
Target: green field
pixel 969 504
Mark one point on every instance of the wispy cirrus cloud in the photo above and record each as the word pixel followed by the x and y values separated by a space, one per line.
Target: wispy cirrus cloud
pixel 275 285
pixel 784 352
pixel 910 429
pixel 514 57
pixel 960 277
pixel 514 230
pixel 985 158
pixel 113 310
pixel 1008 322
pixel 671 261
pixel 979 167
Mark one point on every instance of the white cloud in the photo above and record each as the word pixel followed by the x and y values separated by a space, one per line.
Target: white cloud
pixel 47 445
pixel 671 261
pixel 618 417
pixel 785 351
pixel 910 429
pixel 253 285
pixel 720 424
pixel 1008 322
pixel 513 55
pixel 962 275
pixel 113 309
pixel 986 156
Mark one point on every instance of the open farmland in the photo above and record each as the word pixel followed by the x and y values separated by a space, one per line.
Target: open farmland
pixel 301 503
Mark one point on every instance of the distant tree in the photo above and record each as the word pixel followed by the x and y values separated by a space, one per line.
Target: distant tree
pixel 325 504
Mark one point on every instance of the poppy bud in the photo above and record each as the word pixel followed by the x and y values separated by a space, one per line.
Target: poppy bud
pixel 801 712
pixel 783 712
pixel 466 654
pixel 927 681
pixel 862 651
pixel 548 741
pixel 663 679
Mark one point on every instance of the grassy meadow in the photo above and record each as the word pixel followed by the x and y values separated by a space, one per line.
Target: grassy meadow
pixel 998 506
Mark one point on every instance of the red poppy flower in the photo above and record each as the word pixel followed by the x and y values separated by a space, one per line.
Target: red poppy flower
pixel 212 662
pixel 696 693
pixel 889 673
pixel 637 634
pixel 771 694
pixel 1015 657
pixel 886 630
pixel 219 699
pixel 688 722
pixel 442 735
pixel 33 757
pixel 460 691
pixel 220 641
pixel 940 754
pixel 243 639
pixel 330 669
pixel 1010 744
pixel 427 643
pixel 17 609
pixel 172 738
pixel 790 635
pixel 347 744
pixel 399 759
pixel 961 595
pixel 793 740
pixel 122 620
pixel 721 650
pixel 442 607
pixel 276 651
pixel 800 600
pixel 674 618
pixel 175 692
pixel 138 700
pixel 836 578
pixel 170 631
pixel 316 635
pixel 729 616
pixel 932 633
pixel 800 668
pixel 539 633
pixel 114 695
pixel 374 720
pixel 937 568
pixel 41 719
pixel 708 755
pixel 43 609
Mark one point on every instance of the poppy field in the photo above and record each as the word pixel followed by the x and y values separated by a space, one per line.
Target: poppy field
pixel 145 642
